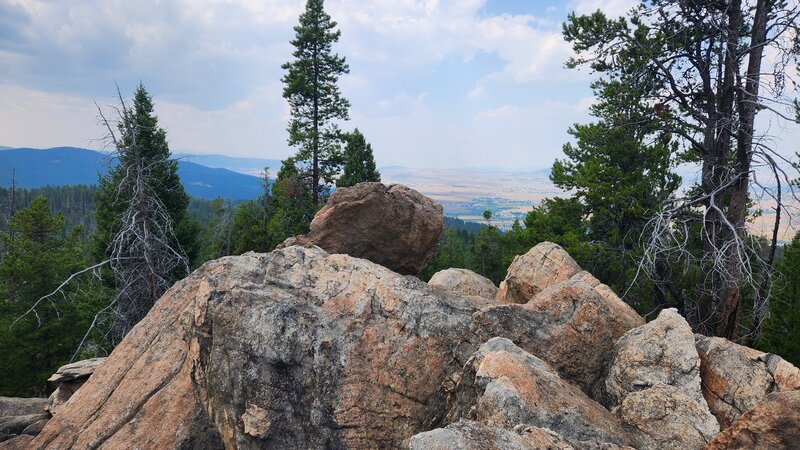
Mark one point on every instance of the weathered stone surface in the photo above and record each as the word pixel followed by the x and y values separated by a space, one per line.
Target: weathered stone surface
pixel 471 435
pixel 20 442
pixel 465 282
pixel 143 396
pixel 772 424
pixel 619 308
pixel 504 386
pixel 63 392
pixel 569 325
pixel 663 417
pixel 341 352
pixel 11 425
pixel 76 371
pixel 36 427
pixel 544 265
pixel 394 226
pixel 784 373
pixel 15 406
pixel 732 382
pixel 660 352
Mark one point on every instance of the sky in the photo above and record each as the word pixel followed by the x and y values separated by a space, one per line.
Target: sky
pixel 432 83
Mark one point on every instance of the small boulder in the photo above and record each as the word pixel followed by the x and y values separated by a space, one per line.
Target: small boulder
pixel 732 382
pixel 502 385
pixel 471 435
pixel 544 265
pixel 663 417
pixel 660 352
pixel 465 282
pixel 772 424
pixel 394 226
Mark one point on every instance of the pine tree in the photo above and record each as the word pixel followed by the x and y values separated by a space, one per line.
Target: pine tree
pixel 143 227
pixel 314 98
pixel 359 163
pixel 37 259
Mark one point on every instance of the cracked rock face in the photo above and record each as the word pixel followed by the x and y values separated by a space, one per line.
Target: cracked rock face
pixel 660 352
pixel 664 417
pixel 544 265
pixel 732 382
pixel 772 424
pixel 465 282
pixel 394 226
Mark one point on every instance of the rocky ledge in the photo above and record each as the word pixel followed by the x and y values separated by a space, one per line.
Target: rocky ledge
pixel 308 348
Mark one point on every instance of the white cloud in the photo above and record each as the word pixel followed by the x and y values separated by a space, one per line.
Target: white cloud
pixel 612 8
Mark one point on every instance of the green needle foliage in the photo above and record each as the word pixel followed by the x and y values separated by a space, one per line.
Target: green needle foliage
pixel 37 257
pixel 314 97
pixel 359 163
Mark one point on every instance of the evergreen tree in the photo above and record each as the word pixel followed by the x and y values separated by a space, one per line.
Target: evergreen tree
pixel 699 68
pixel 143 227
pixel 36 261
pixel 314 97
pixel 782 327
pixel 359 163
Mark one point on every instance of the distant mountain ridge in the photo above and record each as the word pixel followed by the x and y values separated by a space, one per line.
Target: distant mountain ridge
pixel 61 166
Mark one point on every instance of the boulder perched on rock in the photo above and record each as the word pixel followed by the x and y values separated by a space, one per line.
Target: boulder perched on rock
pixel 732 382
pixel 394 226
pixel 660 352
pixel 664 417
pixel 503 385
pixel 569 325
pixel 544 265
pixel 465 282
pixel 772 424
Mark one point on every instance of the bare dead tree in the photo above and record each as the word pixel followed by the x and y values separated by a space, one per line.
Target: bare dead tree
pixel 144 256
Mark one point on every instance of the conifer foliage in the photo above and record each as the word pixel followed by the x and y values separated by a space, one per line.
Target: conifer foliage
pixel 314 97
pixel 359 163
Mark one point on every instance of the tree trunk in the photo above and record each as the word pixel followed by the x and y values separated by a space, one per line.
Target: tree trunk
pixel 737 211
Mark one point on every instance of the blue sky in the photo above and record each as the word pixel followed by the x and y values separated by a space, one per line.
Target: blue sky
pixel 433 83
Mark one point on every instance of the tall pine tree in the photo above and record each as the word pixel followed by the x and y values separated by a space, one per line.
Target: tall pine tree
pixel 359 163
pixel 313 96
